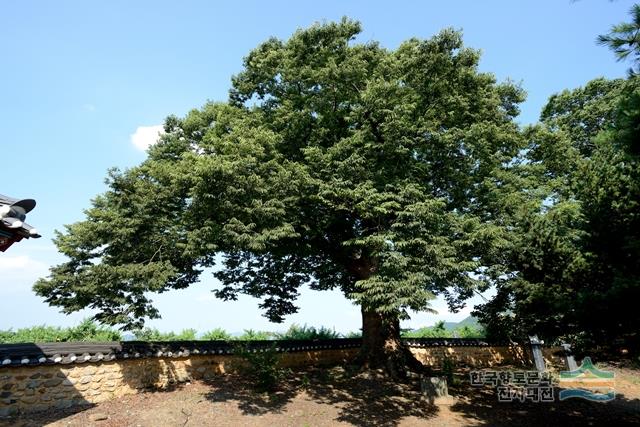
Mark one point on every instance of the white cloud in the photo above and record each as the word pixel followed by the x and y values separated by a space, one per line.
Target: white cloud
pixel 145 136
pixel 19 305
pixel 11 264
pixel 89 107
pixel 18 273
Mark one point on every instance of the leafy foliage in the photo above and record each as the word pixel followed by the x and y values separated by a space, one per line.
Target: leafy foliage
pixel 388 174
pixel 91 331
pixel 87 330
pixel 624 39
pixel 216 334
pixel 251 335
pixel 439 330
pixel 262 366
pixel 153 334
pixel 448 369
pixel 574 268
pixel 353 334
pixel 579 115
pixel 297 332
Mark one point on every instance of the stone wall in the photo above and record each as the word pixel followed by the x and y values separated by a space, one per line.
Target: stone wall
pixel 487 356
pixel 38 387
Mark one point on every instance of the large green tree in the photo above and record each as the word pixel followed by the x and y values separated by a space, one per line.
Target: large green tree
pixel 574 262
pixel 574 259
pixel 334 164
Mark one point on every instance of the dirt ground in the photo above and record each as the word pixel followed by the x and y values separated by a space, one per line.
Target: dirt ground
pixel 335 397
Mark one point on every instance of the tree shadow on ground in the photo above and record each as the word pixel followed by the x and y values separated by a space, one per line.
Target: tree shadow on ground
pixel 480 406
pixel 362 399
pixel 233 387
pixel 371 398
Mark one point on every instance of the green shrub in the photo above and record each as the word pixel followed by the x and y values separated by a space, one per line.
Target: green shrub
pixel 216 334
pixel 448 367
pixel 440 331
pixel 40 333
pixel 251 335
pixel 186 335
pixel 296 332
pixel 87 330
pixel 470 332
pixel 436 331
pixel 354 334
pixel 153 334
pixel 148 334
pixel 6 336
pixel 262 366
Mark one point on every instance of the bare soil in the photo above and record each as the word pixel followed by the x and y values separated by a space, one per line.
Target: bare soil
pixel 335 397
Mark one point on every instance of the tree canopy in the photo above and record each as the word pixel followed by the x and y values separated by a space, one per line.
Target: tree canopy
pixel 575 262
pixel 335 164
pixel 392 175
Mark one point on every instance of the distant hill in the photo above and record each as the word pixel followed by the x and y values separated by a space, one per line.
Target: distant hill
pixel 449 326
pixel 468 321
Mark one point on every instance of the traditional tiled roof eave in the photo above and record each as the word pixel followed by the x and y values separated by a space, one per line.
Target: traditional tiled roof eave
pixel 13 227
pixel 12 355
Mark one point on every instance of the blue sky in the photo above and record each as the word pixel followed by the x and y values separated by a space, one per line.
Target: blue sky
pixel 78 79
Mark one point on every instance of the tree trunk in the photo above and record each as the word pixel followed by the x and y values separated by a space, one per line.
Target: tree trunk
pixel 381 344
pixel 382 347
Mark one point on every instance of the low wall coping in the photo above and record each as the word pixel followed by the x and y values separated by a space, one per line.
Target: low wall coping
pixel 12 355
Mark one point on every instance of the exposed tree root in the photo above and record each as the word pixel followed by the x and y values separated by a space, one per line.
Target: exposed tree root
pixel 382 347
